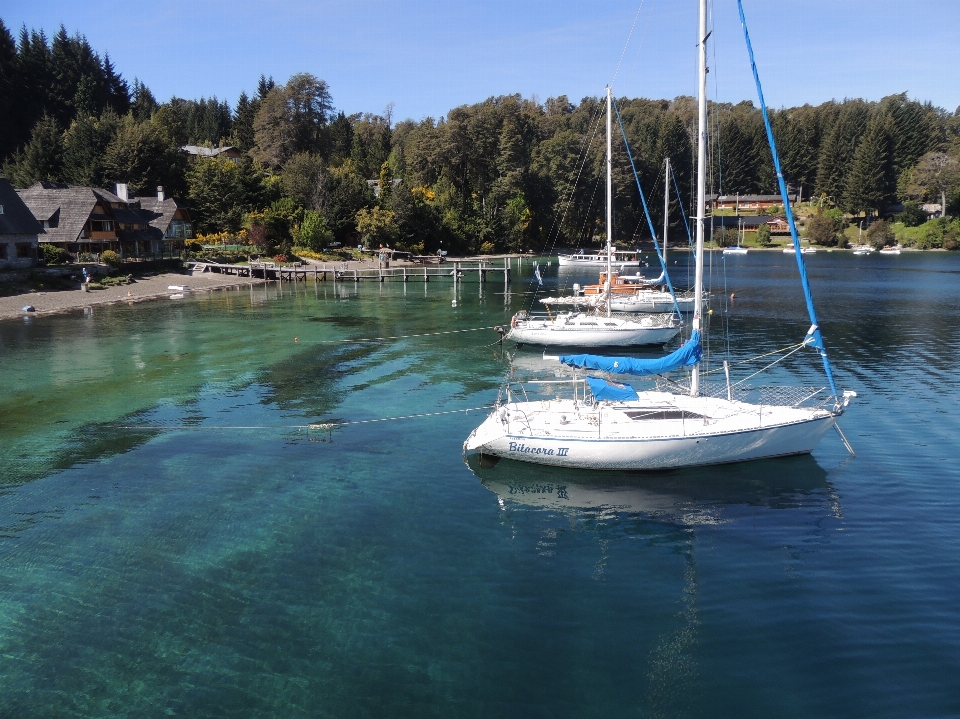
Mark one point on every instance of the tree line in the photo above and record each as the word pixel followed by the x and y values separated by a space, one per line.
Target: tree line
pixel 507 173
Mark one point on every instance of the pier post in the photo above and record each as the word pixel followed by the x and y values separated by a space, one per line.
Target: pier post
pixel 404 274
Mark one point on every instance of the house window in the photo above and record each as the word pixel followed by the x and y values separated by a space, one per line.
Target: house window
pixel 101 226
pixel 3 250
pixel 24 250
pixel 179 228
pixel 1 209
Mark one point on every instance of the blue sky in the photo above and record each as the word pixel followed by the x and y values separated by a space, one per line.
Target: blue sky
pixel 428 56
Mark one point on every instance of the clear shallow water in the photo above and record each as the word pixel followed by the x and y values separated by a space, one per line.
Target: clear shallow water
pixel 371 572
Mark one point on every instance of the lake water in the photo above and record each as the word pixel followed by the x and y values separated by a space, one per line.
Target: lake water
pixel 174 543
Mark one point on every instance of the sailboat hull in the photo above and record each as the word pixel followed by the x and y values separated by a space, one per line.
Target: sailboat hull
pixel 603 440
pixel 552 334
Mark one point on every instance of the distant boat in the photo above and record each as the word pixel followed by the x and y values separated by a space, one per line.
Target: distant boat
pixel 622 258
pixel 863 250
pixel 890 250
pixel 738 250
pixel 599 329
pixel 803 250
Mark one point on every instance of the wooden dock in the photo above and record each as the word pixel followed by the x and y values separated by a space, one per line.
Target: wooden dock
pixel 456 270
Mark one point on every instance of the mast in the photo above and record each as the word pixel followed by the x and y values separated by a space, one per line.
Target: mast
pixel 609 197
pixel 701 187
pixel 666 207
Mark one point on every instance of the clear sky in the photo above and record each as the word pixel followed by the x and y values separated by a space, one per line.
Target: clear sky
pixel 428 56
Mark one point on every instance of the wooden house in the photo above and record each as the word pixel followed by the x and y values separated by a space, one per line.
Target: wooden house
pixel 19 230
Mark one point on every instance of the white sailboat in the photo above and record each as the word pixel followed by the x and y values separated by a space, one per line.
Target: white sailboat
pixel 615 427
pixel 738 250
pixel 577 329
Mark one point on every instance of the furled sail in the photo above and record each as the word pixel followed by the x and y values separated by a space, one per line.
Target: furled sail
pixel 688 355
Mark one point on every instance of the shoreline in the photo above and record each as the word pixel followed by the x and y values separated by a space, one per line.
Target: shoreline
pixel 142 290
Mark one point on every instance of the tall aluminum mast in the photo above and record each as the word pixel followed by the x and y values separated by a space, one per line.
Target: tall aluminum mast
pixel 666 209
pixel 609 197
pixel 701 188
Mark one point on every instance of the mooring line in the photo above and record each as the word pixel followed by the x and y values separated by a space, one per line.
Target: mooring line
pixel 313 425
pixel 403 337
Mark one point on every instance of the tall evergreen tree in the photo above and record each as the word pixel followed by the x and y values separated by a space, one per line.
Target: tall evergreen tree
pixel 143 103
pixel 41 159
pixel 84 149
pixel 8 92
pixel 243 119
pixel 836 154
pixel 871 182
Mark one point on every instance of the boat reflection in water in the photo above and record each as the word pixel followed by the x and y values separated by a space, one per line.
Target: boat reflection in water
pixel 688 496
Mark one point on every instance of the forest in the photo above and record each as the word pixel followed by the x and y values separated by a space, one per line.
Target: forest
pixel 504 174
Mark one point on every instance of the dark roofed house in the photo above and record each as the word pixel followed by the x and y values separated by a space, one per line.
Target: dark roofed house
pixel 78 219
pixel 90 220
pixel 169 219
pixel 19 230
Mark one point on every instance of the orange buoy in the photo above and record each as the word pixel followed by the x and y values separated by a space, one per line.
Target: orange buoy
pixel 733 296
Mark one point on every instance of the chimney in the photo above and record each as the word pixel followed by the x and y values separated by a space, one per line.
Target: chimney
pixel 122 191
pixel 160 196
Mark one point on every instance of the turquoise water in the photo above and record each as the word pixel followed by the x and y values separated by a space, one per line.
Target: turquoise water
pixel 174 543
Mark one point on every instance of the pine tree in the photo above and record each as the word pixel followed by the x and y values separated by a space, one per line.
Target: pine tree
pixel 871 182
pixel 144 104
pixel 8 94
pixel 836 154
pixel 243 117
pixel 41 159
pixel 84 146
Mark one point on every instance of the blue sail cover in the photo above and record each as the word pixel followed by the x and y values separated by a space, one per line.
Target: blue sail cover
pixel 605 389
pixel 687 356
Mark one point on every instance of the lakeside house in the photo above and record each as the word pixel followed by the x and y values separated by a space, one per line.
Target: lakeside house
pixel 90 220
pixel 19 230
pixel 741 203
pixel 750 223
pixel 227 151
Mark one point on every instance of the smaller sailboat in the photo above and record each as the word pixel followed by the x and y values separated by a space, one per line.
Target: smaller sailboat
pixel 577 329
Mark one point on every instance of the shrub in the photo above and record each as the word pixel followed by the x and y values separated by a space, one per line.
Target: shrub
pixel 912 215
pixel 487 248
pixel 763 235
pixel 822 230
pixel 54 255
pixel 109 257
pixel 880 234
pixel 280 258
pixel 95 286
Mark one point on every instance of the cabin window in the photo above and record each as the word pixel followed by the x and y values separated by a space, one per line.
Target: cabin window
pixel 101 225
pixel 1 209
pixel 24 250
pixel 662 413
pixel 3 250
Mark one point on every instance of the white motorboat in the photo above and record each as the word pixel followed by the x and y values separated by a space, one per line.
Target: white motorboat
pixel 863 250
pixel 735 250
pixel 620 258
pixel 600 329
pixel 890 250
pixel 803 250
pixel 615 427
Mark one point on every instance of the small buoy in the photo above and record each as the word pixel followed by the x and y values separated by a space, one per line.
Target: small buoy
pixel 733 296
pixel 29 308
pixel 453 304
pixel 296 339
pixel 710 312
